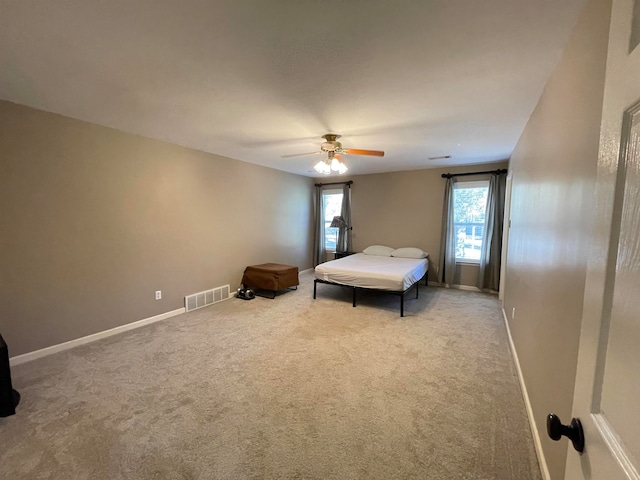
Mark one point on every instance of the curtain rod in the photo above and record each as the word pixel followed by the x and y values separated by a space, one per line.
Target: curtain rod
pixel 497 172
pixel 335 183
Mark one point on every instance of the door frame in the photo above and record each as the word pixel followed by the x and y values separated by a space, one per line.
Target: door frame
pixel 506 227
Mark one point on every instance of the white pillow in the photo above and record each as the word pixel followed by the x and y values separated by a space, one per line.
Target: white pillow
pixel 409 252
pixel 379 250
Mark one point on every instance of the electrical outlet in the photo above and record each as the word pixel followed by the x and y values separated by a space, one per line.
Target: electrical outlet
pixel 158 294
pixel 513 313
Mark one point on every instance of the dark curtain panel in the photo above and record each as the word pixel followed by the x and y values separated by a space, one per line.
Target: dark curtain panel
pixel 489 273
pixel 319 250
pixel 447 263
pixel 344 234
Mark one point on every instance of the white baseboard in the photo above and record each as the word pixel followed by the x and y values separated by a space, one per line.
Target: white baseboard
pixel 455 287
pixel 468 288
pixel 534 429
pixel 43 352
pixel 307 270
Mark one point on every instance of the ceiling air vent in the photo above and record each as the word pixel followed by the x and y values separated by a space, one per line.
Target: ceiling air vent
pixel 441 157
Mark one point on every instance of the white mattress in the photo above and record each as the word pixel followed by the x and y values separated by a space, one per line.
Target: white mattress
pixel 372 271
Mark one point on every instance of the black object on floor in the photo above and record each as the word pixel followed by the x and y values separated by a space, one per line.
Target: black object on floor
pixel 9 398
pixel 245 293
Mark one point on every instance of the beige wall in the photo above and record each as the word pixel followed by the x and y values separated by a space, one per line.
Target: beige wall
pixel 404 209
pixel 95 220
pixel 554 167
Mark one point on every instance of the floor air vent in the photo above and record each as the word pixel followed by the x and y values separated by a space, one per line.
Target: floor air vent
pixel 208 297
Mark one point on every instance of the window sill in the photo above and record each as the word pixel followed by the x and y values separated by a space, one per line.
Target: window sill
pixel 474 263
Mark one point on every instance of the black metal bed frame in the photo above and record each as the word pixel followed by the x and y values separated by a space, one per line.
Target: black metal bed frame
pixel 392 292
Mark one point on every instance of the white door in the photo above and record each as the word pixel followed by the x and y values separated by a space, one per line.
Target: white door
pixel 607 390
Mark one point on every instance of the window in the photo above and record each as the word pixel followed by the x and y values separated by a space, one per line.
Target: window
pixel 332 206
pixel 469 209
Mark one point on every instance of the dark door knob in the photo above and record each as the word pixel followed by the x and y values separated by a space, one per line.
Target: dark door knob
pixel 573 431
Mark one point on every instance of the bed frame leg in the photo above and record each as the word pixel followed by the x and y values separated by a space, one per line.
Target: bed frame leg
pixel 402 305
pixel 354 296
pixel 315 284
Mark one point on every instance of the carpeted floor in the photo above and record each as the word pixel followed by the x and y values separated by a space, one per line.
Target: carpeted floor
pixel 291 388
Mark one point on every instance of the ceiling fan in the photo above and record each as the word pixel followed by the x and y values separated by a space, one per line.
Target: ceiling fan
pixel 334 150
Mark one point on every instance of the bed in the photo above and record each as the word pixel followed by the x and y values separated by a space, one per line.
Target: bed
pixel 395 275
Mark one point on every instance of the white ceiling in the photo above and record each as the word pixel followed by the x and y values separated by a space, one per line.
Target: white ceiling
pixel 257 79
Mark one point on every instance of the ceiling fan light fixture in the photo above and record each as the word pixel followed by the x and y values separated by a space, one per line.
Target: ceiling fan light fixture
pixel 334 151
pixel 336 163
pixel 322 167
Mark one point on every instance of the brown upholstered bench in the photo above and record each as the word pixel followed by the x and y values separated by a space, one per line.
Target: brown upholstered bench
pixel 270 276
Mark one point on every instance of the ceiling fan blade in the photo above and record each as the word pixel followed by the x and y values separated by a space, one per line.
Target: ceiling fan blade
pixel 357 151
pixel 338 156
pixel 301 154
